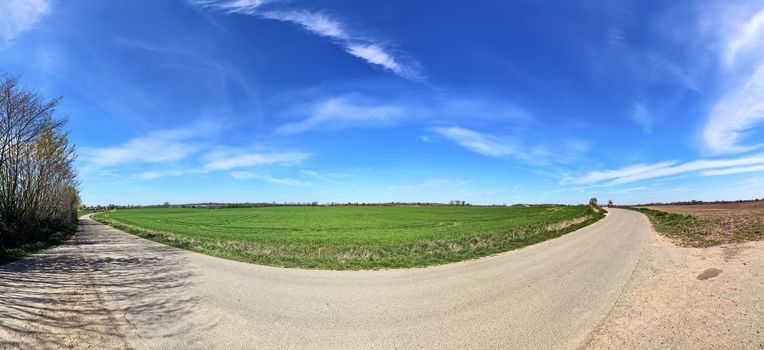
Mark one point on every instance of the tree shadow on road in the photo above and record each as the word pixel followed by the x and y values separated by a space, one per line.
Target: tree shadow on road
pixel 102 289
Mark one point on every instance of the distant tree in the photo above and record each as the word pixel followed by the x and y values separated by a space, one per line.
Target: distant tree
pixel 593 201
pixel 166 204
pixel 609 202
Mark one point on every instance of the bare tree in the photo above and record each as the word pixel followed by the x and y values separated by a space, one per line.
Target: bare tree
pixel 38 183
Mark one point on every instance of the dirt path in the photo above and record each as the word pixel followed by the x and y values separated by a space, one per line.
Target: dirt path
pixel 689 298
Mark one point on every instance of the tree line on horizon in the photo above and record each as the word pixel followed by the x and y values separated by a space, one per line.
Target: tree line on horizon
pixel 282 204
pixel 38 182
pixel 216 205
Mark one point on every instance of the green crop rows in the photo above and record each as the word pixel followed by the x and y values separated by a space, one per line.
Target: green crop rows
pixel 348 237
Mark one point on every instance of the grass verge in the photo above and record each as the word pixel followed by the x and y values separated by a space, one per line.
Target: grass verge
pixel 347 244
pixel 28 249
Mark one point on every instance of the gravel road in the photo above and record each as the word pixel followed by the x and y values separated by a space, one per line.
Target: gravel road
pixel 109 289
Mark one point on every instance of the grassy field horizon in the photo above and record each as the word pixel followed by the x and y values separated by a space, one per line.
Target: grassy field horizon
pixel 350 237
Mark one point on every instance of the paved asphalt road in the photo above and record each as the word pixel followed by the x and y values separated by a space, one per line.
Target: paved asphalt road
pixel 108 289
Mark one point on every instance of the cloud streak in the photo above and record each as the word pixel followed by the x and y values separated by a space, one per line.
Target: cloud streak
pixel 361 110
pixel 741 109
pixel 18 16
pixel 371 50
pixel 642 116
pixel 314 22
pixel 651 171
pixel 747 38
pixel 344 112
pixel 474 141
pixel 433 183
pixel 179 152
pixel 530 148
pixel 737 170
pixel 735 114
pixel 246 175
pixel 156 147
pixel 247 160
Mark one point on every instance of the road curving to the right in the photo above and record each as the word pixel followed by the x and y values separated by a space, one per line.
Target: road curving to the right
pixel 546 296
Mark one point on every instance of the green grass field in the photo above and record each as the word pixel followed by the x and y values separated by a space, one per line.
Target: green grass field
pixel 347 237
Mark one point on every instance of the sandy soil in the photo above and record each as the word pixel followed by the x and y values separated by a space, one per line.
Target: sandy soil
pixel 689 298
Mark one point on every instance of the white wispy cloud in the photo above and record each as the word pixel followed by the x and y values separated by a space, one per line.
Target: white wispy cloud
pixel 344 112
pixel 240 6
pixel 642 65
pixel 528 146
pixel 155 174
pixel 651 171
pixel 331 178
pixel 434 183
pixel 477 142
pixel 741 109
pixel 308 172
pixel 735 114
pixel 376 54
pixel 314 22
pixel 156 147
pixel 642 116
pixel 181 151
pixel 247 175
pixel 747 38
pixel 737 170
pixel 361 110
pixel 225 161
pixel 371 50
pixel 482 107
pixel 633 170
pixel 18 16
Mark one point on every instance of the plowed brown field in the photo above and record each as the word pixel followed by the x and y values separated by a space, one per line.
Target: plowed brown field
pixel 726 222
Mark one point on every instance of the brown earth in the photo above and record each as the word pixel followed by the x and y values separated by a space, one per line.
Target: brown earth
pixel 725 222
pixel 732 213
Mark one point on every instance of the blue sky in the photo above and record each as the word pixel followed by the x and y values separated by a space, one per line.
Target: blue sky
pixel 335 101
